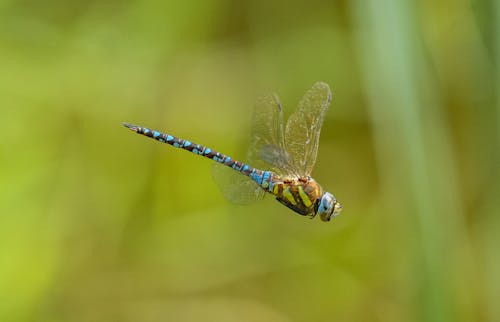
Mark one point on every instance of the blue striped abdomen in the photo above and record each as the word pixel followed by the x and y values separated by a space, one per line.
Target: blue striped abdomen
pixel 263 178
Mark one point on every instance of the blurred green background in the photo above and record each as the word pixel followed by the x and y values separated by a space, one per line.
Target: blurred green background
pixel 99 224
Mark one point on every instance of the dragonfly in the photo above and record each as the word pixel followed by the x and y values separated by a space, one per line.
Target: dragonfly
pixel 281 156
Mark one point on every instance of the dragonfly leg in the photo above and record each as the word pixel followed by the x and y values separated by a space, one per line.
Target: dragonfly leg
pixel 311 215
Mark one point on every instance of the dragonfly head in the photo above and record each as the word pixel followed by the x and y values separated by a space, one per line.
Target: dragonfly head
pixel 328 207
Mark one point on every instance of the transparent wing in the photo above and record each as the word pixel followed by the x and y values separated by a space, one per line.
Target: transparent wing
pixel 235 187
pixel 267 147
pixel 304 126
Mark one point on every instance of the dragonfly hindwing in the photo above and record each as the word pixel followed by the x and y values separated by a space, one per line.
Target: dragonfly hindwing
pixel 236 187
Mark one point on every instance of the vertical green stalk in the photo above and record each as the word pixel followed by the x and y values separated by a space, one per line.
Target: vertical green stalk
pixel 388 38
pixel 491 240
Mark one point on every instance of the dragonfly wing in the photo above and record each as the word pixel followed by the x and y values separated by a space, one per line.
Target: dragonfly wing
pixel 267 148
pixel 235 187
pixel 277 158
pixel 304 126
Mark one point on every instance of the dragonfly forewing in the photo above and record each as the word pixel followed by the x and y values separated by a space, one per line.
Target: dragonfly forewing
pixel 304 126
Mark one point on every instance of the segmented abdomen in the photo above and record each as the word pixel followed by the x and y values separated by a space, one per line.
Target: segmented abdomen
pixel 265 179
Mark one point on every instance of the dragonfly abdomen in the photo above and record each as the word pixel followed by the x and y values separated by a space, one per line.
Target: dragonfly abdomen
pixel 263 178
pixel 191 147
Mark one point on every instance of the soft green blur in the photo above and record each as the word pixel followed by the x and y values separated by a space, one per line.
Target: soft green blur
pixel 99 224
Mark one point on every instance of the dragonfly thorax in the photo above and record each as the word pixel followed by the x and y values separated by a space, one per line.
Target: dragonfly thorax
pixel 299 194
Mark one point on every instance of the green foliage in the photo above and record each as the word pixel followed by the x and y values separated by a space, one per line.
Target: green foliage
pixel 98 224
